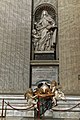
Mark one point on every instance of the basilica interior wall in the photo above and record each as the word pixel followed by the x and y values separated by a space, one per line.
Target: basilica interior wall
pixel 15 28
pixel 69 45
pixel 15 45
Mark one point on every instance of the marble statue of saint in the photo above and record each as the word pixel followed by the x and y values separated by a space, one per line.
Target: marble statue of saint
pixel 47 33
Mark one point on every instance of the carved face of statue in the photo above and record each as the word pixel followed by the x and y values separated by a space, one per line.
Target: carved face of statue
pixel 53 83
pixel 44 13
pixel 34 31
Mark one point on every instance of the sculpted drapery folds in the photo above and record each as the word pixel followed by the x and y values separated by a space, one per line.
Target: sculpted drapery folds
pixel 44 33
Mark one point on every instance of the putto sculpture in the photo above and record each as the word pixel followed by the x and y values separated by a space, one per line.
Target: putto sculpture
pixel 45 95
pixel 44 33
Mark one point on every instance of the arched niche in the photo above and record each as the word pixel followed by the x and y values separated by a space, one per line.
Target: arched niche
pixel 45 6
pixel 45 53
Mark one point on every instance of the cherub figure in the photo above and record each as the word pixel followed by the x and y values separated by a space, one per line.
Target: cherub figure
pixel 31 99
pixel 57 93
pixel 53 87
pixel 35 40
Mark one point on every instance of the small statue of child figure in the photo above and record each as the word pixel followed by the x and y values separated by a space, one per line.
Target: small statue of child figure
pixel 53 87
pixel 31 99
pixel 57 93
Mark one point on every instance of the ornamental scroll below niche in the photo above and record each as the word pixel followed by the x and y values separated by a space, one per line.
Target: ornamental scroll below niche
pixel 44 33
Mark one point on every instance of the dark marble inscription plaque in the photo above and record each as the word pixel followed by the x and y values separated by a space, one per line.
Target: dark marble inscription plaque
pixel 44 73
pixel 44 56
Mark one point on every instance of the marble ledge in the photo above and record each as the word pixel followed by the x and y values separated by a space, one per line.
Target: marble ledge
pixel 44 62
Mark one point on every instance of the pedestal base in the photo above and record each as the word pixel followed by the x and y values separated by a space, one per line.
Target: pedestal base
pixel 44 55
